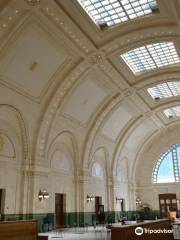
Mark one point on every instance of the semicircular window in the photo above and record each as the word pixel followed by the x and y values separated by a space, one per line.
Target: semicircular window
pixel 167 167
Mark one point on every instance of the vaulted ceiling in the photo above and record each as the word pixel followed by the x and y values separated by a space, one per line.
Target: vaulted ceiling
pixel 59 67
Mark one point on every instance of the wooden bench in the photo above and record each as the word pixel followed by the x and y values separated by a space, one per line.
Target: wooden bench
pixel 127 232
pixel 20 230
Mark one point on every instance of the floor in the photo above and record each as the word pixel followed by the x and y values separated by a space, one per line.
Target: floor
pixel 100 233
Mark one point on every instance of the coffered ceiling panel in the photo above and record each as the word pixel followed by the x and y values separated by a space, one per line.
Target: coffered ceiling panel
pixel 118 119
pixel 30 61
pixel 87 96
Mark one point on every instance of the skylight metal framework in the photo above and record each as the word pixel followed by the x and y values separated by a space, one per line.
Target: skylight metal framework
pixel 173 150
pixel 112 12
pixel 165 90
pixel 172 112
pixel 151 56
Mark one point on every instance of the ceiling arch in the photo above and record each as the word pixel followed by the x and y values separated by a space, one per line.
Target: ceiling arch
pixel 67 141
pixel 93 87
pixel 10 113
pixel 128 146
pixel 100 156
pixel 151 151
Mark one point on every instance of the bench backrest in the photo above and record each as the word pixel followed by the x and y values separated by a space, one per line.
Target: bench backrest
pixel 18 230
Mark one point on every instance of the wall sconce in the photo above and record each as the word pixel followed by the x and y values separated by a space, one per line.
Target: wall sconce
pixel 43 195
pixel 138 201
pixel 90 198
pixel 119 200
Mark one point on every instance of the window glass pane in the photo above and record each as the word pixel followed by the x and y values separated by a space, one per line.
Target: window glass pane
pixel 172 112
pixel 116 9
pixel 166 172
pixel 97 170
pixel 165 90
pixel 178 155
pixel 151 56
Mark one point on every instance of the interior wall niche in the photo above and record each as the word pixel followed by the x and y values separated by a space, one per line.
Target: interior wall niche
pixel 13 154
pixel 62 164
pixel 61 160
pixel 61 154
pixel 6 147
pixel 96 184
pixel 97 170
pixel 98 165
pixel 122 170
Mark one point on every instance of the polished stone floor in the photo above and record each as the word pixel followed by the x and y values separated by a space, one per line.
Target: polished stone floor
pixel 100 233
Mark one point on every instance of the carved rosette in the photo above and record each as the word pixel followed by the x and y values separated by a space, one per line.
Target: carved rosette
pixel 96 58
pixel 128 92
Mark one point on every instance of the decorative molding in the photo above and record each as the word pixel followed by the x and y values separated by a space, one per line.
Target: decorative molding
pixel 128 43
pixel 23 130
pixel 1 143
pixel 33 2
pixel 53 107
pixel 94 129
pixel 96 58
pixel 148 114
pixel 58 19
pixel 128 92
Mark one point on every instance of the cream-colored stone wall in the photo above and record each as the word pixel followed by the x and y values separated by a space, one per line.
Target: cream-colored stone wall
pixel 68 100
pixel 146 190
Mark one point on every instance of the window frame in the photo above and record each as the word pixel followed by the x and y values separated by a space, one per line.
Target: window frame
pixel 175 162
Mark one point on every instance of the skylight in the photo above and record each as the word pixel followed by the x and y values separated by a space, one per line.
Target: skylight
pixel 165 90
pixel 111 12
pixel 172 112
pixel 151 56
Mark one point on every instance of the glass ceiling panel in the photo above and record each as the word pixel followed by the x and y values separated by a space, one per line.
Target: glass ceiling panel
pixel 172 112
pixel 116 11
pixel 151 56
pixel 165 90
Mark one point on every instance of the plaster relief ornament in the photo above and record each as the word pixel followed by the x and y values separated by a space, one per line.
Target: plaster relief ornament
pixel 1 143
pixel 96 58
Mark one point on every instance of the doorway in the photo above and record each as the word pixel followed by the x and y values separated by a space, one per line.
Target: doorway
pixel 122 204
pixel 2 201
pixel 167 202
pixel 60 209
pixel 99 210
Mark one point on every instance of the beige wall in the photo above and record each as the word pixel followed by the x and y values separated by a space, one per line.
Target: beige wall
pixel 67 100
pixel 145 162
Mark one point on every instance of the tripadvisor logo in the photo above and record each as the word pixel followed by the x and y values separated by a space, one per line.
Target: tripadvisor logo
pixel 139 231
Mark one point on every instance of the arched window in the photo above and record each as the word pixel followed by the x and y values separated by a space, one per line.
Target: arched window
pixel 97 170
pixel 167 167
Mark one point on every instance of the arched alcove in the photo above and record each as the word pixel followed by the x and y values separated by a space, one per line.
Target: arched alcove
pixel 96 184
pixel 61 157
pixel 146 163
pixel 13 155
